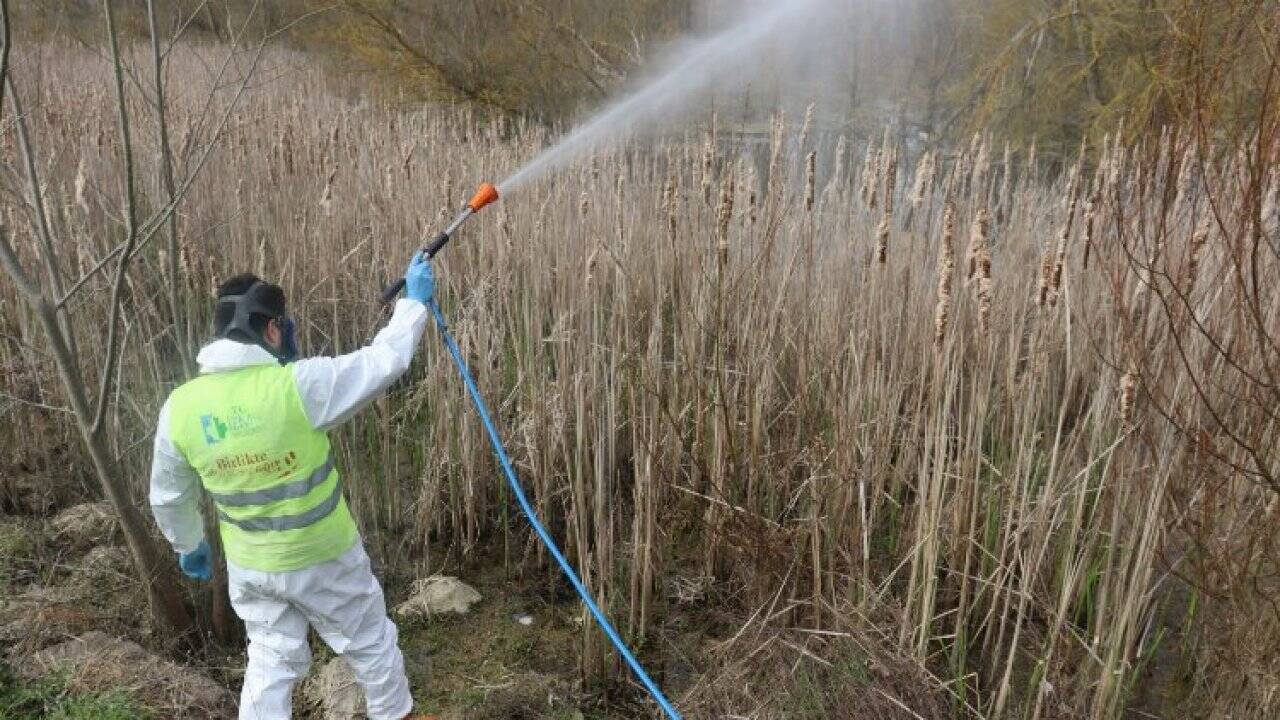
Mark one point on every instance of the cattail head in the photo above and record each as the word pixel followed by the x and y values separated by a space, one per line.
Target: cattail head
pixel 724 215
pixel 670 206
pixel 260 266
pixel 1075 181
pixel 1115 168
pixel 837 171
pixel 890 180
pixel 1090 218
pixel 540 221
pixel 1128 395
pixel 286 149
pixel 80 183
pixel 923 179
pixel 777 136
pixel 946 275
pixel 810 167
pixel 979 275
pixel 186 262
pixel 1198 241
pixel 1051 269
pixel 978 251
pixel 620 215
pixel 335 134
pixel 1055 255
pixel 504 224
pixel 1004 198
pixel 326 196
pixel 807 127
pixel 775 185
pixel 590 267
pixel 407 163
pixel 708 161
pixel 981 170
pixel 870 172
pixel 882 240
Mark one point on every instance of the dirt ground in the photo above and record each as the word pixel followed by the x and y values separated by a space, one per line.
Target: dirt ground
pixel 70 607
pixel 68 594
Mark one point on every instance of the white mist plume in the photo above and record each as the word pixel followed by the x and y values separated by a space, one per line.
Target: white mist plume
pixel 725 59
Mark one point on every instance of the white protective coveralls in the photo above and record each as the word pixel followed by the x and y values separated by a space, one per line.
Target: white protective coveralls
pixel 341 598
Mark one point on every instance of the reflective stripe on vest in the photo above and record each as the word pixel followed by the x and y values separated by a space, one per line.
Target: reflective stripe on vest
pixel 285 491
pixel 288 522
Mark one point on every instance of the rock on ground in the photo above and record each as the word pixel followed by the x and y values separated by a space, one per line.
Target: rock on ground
pixel 86 525
pixel 334 692
pixel 436 595
pixel 97 662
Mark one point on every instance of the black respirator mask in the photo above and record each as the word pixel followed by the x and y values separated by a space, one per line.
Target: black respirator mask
pixel 247 304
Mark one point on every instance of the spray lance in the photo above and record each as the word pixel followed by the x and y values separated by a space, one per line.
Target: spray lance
pixel 486 195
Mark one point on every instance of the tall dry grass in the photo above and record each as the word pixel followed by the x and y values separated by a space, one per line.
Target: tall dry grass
pixel 724 388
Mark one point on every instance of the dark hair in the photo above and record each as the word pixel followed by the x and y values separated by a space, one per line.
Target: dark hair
pixel 271 297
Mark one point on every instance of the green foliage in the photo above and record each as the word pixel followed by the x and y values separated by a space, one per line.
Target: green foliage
pixel 51 699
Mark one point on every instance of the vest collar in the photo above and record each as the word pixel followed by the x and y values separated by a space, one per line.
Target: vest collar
pixel 225 355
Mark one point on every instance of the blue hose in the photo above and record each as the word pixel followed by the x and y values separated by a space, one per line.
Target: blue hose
pixel 501 452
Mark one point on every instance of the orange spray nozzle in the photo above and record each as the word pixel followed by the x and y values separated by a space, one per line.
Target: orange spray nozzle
pixel 485 195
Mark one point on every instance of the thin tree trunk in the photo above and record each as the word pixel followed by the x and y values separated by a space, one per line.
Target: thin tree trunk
pixel 165 153
pixel 157 576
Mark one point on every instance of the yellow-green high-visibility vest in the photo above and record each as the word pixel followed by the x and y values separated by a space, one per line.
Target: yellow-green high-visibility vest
pixel 271 475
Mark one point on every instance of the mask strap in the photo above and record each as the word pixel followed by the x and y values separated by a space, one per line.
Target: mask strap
pixel 240 328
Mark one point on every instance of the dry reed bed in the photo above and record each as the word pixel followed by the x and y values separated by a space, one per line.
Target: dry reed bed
pixel 781 383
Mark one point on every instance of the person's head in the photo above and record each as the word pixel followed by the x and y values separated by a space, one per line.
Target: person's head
pixel 251 310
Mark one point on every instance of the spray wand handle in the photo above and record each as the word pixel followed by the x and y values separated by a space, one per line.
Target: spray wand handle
pixel 389 295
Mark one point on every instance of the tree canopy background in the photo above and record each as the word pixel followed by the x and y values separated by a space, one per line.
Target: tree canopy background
pixel 1053 72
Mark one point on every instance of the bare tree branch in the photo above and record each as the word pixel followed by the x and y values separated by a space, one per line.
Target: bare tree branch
pixel 4 54
pixel 165 159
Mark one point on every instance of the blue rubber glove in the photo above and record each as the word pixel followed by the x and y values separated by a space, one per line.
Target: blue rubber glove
pixel 419 282
pixel 195 564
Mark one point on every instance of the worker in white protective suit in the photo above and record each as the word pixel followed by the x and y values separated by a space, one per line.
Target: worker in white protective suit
pixel 251 429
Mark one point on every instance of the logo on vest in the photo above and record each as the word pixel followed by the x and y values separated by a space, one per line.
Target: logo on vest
pixel 239 423
pixel 215 431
